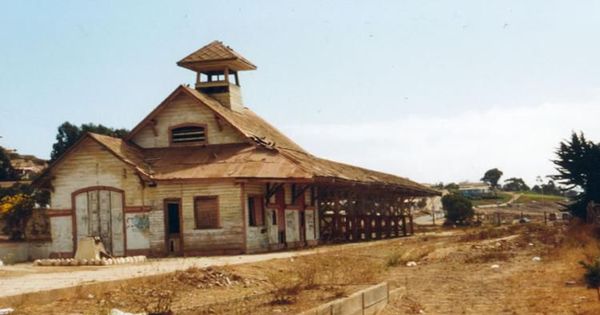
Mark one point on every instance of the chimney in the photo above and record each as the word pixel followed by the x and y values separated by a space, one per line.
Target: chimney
pixel 217 67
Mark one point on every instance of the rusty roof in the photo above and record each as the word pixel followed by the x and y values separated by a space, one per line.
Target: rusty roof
pixel 247 161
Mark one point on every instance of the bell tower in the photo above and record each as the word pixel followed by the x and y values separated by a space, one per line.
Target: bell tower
pixel 217 67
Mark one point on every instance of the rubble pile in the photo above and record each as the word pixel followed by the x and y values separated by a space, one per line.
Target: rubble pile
pixel 208 278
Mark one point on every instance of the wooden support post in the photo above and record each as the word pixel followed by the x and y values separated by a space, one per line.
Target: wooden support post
pixel 336 215
pixel 378 226
pixel 412 226
pixel 368 226
pixel 404 231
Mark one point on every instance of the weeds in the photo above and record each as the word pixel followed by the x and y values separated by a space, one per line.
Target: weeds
pixel 393 260
pixel 332 271
pixel 490 256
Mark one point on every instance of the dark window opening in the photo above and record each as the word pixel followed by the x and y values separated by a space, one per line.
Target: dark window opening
pixel 188 134
pixel 256 211
pixel 215 89
pixel 274 217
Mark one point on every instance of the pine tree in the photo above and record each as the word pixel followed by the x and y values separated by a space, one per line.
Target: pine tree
pixel 578 166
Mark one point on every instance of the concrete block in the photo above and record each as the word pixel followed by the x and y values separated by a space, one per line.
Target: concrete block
pixel 375 294
pixel 375 308
pixel 351 305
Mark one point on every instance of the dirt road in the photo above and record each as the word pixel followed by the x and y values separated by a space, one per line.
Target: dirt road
pixel 453 275
pixel 25 278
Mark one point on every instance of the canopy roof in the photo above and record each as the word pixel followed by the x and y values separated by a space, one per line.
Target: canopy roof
pixel 215 56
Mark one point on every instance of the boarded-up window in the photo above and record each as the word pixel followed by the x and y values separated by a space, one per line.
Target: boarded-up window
pixel 256 211
pixel 188 134
pixel 206 212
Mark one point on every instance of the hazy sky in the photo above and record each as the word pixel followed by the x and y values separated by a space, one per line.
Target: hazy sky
pixel 431 90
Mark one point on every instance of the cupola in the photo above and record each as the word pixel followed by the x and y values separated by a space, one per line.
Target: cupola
pixel 217 67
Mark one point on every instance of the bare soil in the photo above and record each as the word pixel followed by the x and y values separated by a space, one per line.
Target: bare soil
pixel 454 275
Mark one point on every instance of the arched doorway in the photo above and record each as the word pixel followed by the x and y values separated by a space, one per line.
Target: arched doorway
pixel 99 213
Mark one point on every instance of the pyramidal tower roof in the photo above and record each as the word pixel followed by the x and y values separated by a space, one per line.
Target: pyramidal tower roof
pixel 215 56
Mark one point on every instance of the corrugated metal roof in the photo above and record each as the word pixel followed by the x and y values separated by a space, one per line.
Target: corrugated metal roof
pixel 246 161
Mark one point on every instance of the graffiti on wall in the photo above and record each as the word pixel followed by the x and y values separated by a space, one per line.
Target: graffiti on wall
pixel 139 222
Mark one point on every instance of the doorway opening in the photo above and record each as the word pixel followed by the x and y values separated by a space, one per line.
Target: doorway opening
pixel 173 235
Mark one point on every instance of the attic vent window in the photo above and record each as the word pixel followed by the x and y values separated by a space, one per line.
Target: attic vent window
pixel 188 135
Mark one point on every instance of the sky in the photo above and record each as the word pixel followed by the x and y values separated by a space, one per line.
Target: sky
pixel 430 90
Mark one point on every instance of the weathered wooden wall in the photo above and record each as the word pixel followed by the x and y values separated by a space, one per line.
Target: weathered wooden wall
pixel 92 165
pixel 172 115
pixel 228 238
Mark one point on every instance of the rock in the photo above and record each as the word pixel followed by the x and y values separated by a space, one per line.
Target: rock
pixel 1 263
pixel 115 311
pixel 495 266
pixel 411 264
pixel 536 258
pixel 570 283
pixel 90 296
pixel 530 244
pixel 6 311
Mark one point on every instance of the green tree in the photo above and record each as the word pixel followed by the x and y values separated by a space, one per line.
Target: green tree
pixel 68 134
pixel 492 177
pixel 452 187
pixel 551 189
pixel 515 184
pixel 459 209
pixel 7 171
pixel 577 166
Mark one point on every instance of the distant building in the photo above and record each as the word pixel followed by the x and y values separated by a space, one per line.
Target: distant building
pixel 203 174
pixel 27 166
pixel 474 190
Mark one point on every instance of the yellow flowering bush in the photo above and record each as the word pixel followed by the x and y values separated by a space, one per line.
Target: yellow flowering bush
pixel 14 210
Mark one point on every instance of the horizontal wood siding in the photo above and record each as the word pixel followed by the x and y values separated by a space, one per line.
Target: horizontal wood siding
pixel 229 237
pixel 183 109
pixel 92 165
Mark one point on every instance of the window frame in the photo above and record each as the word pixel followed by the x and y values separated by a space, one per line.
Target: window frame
pixel 218 213
pixel 261 199
pixel 203 126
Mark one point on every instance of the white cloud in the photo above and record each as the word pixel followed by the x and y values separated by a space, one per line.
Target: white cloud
pixel 519 141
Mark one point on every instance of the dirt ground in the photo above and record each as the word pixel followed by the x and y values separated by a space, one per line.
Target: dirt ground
pixel 454 275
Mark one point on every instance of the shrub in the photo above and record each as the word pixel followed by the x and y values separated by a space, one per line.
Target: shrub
pixel 592 275
pixel 459 209
pixel 15 210
pixel 393 260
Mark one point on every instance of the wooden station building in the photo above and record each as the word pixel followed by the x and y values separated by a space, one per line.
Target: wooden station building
pixel 202 174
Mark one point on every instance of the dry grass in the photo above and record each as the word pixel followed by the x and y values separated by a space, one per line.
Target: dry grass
pixel 401 257
pixel 489 256
pixel 333 272
pixel 485 233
